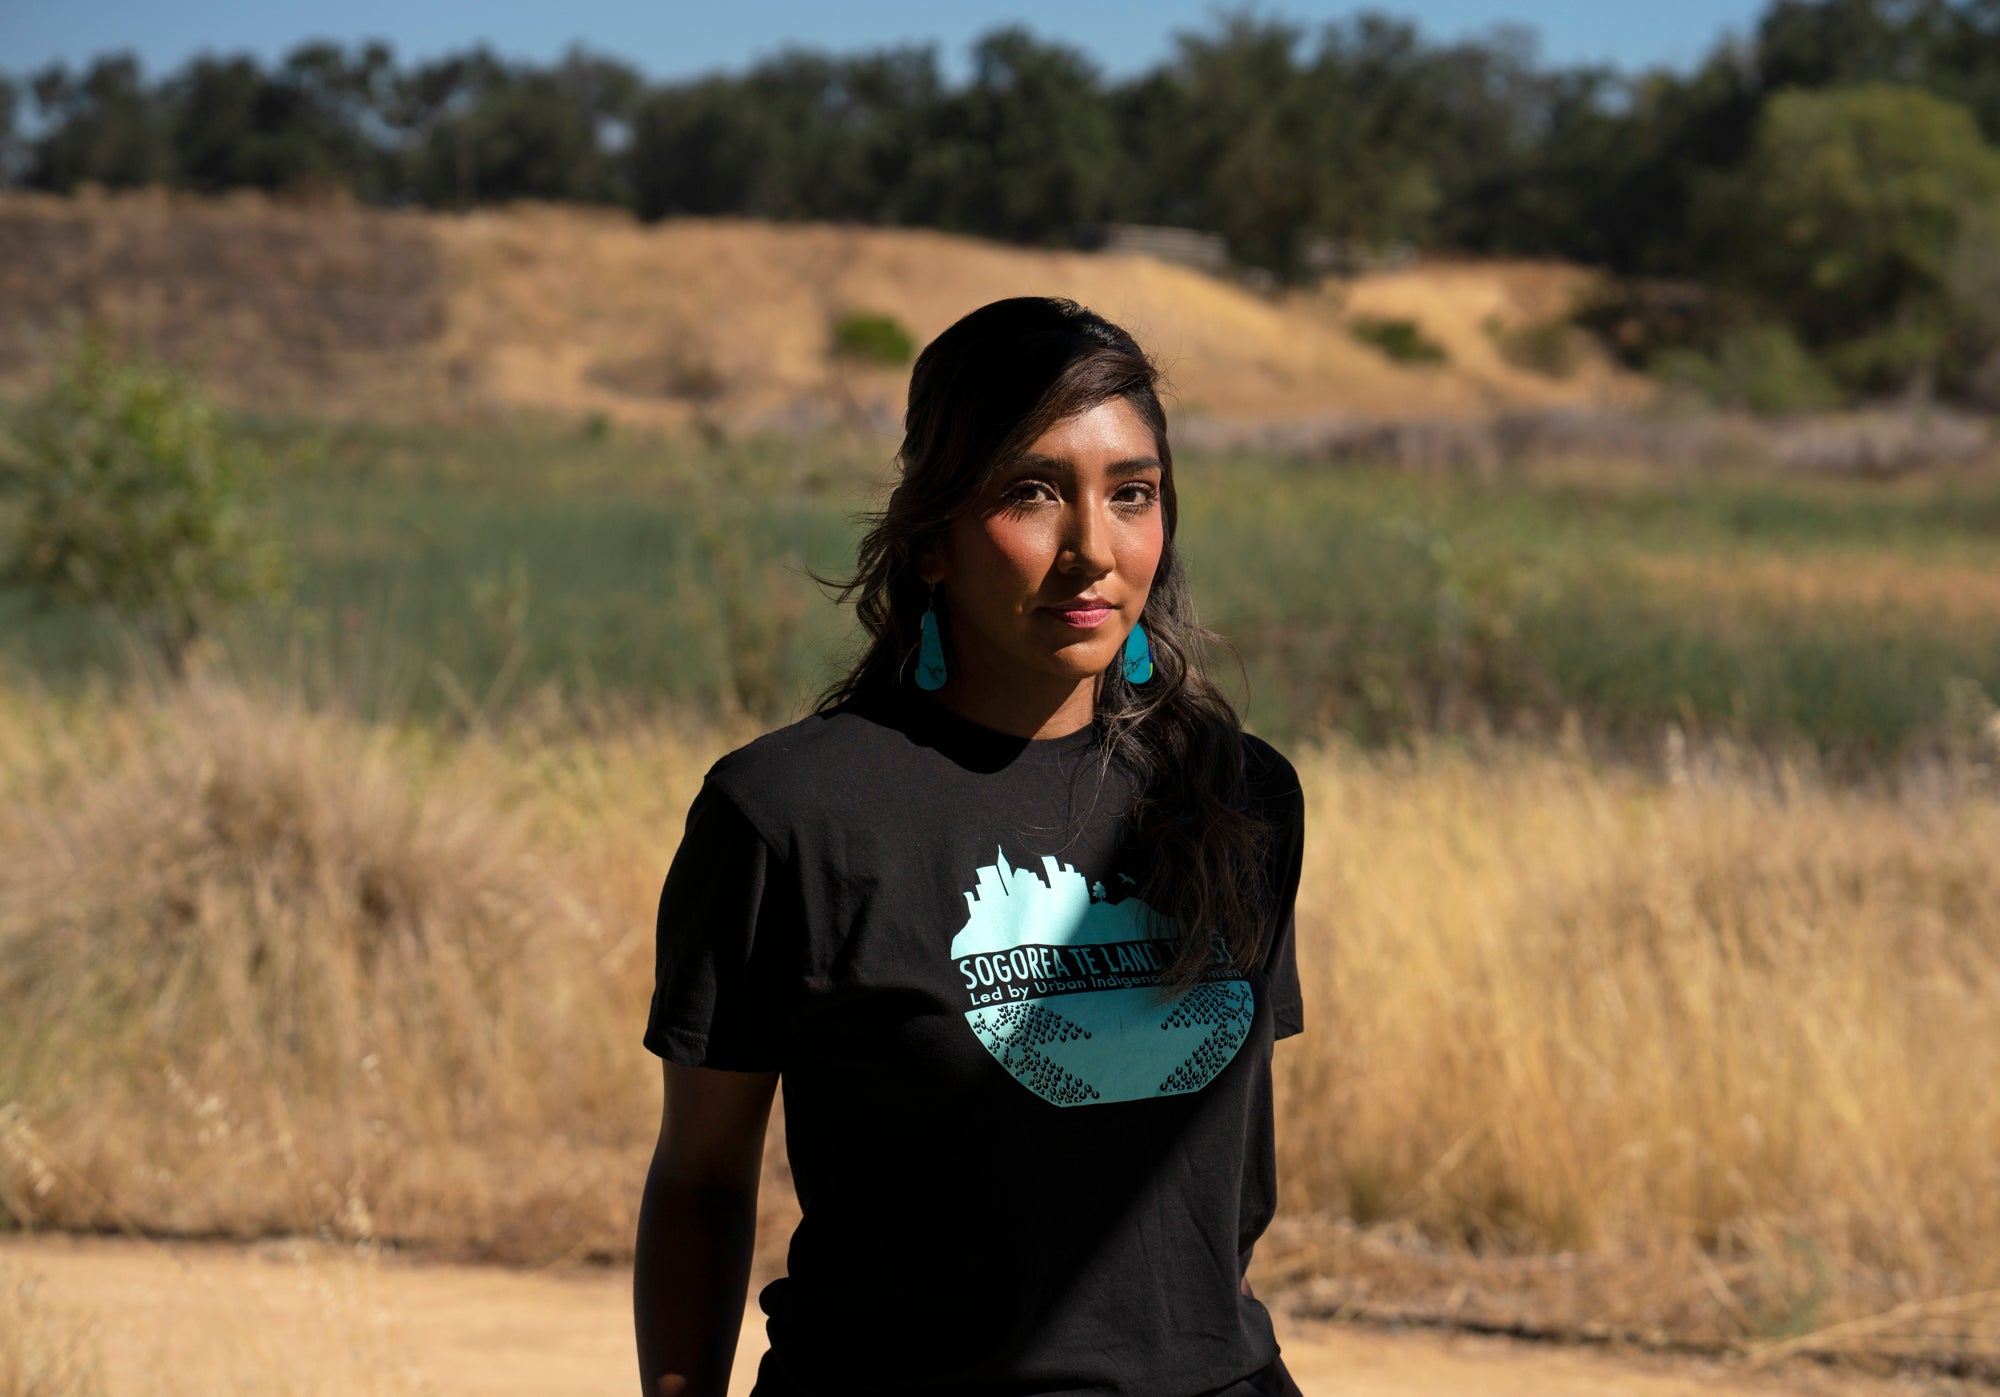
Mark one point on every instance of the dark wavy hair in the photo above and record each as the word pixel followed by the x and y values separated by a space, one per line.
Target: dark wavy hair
pixel 980 393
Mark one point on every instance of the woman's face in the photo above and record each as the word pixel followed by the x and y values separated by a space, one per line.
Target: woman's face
pixel 1049 570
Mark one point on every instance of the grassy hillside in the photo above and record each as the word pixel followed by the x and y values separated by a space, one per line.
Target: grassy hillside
pixel 565 311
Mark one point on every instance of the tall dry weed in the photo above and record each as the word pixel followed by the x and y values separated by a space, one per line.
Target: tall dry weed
pixel 1738 1019
pixel 267 969
pixel 1703 1051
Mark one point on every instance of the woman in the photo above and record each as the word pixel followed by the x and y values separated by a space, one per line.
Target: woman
pixel 1028 1115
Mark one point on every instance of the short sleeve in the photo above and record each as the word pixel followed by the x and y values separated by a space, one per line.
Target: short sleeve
pixel 729 920
pixel 1281 966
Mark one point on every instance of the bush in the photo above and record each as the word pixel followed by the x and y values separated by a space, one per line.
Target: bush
pixel 1909 353
pixel 1637 319
pixel 872 339
pixel 1402 340
pixel 132 495
pixel 1762 368
pixel 1971 367
pixel 1553 348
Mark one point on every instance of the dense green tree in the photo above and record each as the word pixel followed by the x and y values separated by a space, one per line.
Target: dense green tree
pixel 1546 189
pixel 800 136
pixel 483 129
pixel 1026 151
pixel 1153 117
pixel 1965 64
pixel 103 127
pixel 885 105
pixel 12 156
pixel 345 97
pixel 1846 217
pixel 1385 107
pixel 1256 149
pixel 1831 43
pixel 236 126
pixel 1357 137
pixel 1950 47
pixel 704 149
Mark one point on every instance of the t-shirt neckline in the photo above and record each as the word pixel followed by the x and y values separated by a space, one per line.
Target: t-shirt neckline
pixel 967 737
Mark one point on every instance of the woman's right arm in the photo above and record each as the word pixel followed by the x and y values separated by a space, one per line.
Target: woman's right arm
pixel 698 1228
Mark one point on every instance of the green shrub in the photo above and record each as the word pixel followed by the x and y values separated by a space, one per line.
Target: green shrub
pixel 1896 356
pixel 872 339
pixel 1762 368
pixel 1552 348
pixel 132 495
pixel 1402 340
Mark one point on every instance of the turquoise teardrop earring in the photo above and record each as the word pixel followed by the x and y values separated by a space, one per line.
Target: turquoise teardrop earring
pixel 930 655
pixel 1138 656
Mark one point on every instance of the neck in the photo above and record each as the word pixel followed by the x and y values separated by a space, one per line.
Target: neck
pixel 1022 704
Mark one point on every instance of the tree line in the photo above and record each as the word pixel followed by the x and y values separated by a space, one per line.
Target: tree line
pixel 1830 178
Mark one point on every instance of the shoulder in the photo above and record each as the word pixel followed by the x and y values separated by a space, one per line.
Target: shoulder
pixel 792 775
pixel 1272 779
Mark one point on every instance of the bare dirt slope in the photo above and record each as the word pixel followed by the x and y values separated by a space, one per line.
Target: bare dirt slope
pixel 298 1318
pixel 578 312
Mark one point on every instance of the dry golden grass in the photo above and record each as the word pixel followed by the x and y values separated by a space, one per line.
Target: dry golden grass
pixel 1460 304
pixel 569 312
pixel 1957 591
pixel 575 311
pixel 1704 1055
pixel 1734 1033
pixel 286 1318
pixel 46 1348
pixel 267 971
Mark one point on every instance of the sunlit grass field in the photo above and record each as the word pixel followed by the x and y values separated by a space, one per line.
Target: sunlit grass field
pixel 449 571
pixel 1702 1050
pixel 1650 923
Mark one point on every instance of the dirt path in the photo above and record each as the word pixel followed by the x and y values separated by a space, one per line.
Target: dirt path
pixel 299 1318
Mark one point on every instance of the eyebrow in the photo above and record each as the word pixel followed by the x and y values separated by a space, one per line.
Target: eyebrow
pixel 1131 465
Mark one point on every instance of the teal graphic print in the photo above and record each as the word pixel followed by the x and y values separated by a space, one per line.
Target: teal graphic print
pixel 1064 990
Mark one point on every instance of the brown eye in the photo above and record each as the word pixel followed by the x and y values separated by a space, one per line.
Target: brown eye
pixel 1022 492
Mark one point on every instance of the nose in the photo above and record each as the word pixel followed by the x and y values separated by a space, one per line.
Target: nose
pixel 1086 543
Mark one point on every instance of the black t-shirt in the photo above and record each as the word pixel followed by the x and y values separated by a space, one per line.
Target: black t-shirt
pixel 1022 1171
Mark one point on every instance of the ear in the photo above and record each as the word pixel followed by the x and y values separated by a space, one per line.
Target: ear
pixel 931 564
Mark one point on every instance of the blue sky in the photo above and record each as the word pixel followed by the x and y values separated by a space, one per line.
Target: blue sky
pixel 671 38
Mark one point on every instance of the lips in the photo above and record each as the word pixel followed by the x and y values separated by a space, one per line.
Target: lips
pixel 1083 614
